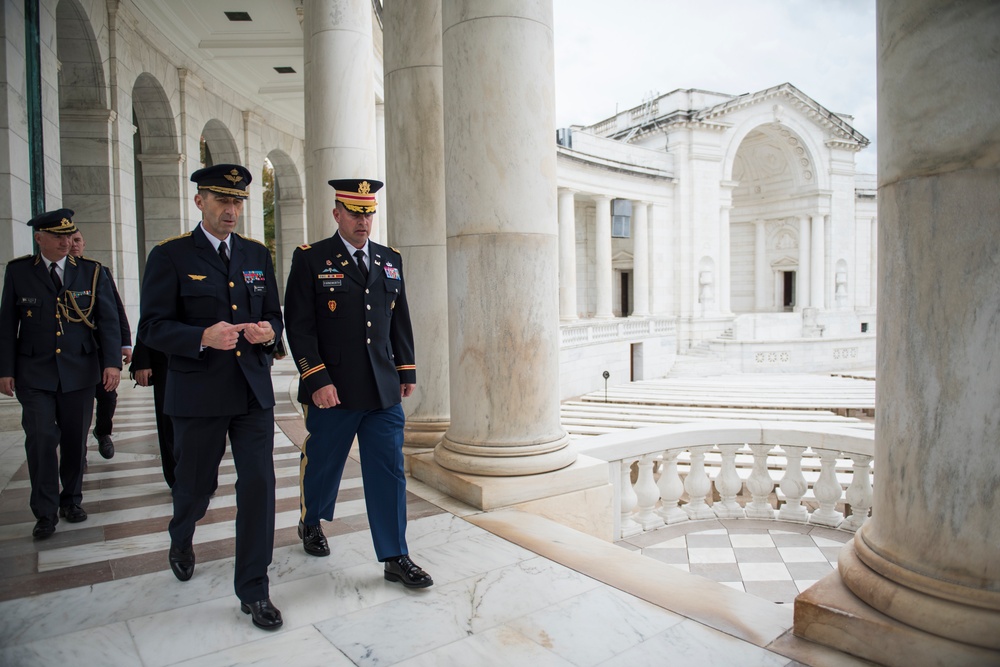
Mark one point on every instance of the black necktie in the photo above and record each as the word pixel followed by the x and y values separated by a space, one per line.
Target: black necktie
pixel 223 254
pixel 360 255
pixel 54 274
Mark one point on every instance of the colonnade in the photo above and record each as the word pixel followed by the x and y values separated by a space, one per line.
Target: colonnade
pixel 569 308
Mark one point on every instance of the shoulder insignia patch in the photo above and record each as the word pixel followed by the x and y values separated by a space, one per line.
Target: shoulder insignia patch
pixel 174 238
pixel 304 246
pixel 250 238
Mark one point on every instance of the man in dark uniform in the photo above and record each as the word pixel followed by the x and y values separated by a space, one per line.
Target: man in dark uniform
pixel 58 330
pixel 210 303
pixel 349 333
pixel 149 368
pixel 107 401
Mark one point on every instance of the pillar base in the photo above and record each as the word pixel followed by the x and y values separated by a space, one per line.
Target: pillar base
pixel 480 460
pixel 490 492
pixel 423 434
pixel 828 613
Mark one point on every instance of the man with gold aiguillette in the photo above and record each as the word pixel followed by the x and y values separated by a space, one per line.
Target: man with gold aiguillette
pixel 59 337
pixel 350 335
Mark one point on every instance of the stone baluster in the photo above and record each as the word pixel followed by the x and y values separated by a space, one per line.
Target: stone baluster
pixel 793 485
pixel 827 491
pixel 647 494
pixel 859 493
pixel 628 501
pixel 760 485
pixel 698 486
pixel 671 489
pixel 728 483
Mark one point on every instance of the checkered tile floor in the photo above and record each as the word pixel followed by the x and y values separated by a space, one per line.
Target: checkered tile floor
pixel 775 561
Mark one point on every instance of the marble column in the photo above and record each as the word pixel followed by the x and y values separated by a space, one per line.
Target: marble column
pixel 380 232
pixel 803 286
pixel 817 282
pixel 415 190
pixel 500 174
pixel 724 283
pixel 924 570
pixel 567 255
pixel 340 102
pixel 640 258
pixel 760 272
pixel 873 259
pixel 603 275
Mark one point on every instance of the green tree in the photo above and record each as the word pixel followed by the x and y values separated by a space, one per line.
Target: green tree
pixel 268 181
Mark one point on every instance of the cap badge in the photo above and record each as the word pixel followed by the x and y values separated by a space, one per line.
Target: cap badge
pixel 233 176
pixel 332 305
pixel 364 188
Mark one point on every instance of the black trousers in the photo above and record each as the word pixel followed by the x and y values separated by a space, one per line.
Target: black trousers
pixel 107 402
pixel 55 440
pixel 164 429
pixel 200 443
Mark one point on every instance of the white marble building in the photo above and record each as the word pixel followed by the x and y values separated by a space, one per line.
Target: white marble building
pixel 745 227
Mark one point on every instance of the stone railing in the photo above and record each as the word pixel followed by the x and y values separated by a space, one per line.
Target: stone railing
pixel 812 472
pixel 583 332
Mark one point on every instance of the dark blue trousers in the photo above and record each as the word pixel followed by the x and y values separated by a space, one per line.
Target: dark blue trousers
pixel 55 439
pixel 324 454
pixel 199 443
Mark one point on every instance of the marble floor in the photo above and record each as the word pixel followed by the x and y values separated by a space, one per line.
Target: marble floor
pixel 510 588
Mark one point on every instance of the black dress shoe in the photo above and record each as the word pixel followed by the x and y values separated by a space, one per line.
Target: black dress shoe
pixel 105 445
pixel 313 540
pixel 73 513
pixel 44 527
pixel 264 614
pixel 181 562
pixel 408 573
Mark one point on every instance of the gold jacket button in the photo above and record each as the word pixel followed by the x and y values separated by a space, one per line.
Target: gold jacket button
pixel 368 307
pixel 58 351
pixel 369 324
pixel 369 341
pixel 238 353
pixel 234 306
pixel 59 333
pixel 232 284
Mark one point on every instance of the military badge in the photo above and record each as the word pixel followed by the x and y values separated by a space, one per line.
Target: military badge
pixel 391 272
pixel 332 305
pixel 194 277
pixel 253 277
pixel 329 263
pixel 344 263
pixel 28 313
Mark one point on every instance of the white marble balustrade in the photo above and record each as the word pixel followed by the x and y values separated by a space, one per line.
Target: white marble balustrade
pixel 583 332
pixel 811 469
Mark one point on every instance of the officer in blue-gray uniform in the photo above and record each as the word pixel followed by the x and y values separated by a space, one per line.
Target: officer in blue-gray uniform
pixel 349 333
pixel 210 303
pixel 58 330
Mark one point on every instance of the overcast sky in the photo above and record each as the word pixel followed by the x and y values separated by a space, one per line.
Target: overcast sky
pixel 611 56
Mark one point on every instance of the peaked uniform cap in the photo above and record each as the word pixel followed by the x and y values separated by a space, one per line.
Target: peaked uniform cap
pixel 59 221
pixel 230 180
pixel 357 194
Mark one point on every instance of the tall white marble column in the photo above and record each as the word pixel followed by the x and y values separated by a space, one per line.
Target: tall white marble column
pixel 340 102
pixel 803 287
pixel 640 258
pixel 567 255
pixel 817 274
pixel 415 189
pixel 724 283
pixel 500 163
pixel 603 275
pixel 380 233
pixel 873 263
pixel 924 569
pixel 760 273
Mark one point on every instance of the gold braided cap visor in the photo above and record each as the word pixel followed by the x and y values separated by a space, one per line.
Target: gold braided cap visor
pixel 229 192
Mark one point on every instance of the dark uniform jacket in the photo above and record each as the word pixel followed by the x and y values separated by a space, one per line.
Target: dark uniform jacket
pixel 186 289
pixel 356 336
pixel 43 342
pixel 122 317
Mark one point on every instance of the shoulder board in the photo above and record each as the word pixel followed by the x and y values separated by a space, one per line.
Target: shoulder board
pixel 19 259
pixel 174 238
pixel 395 251
pixel 250 238
pixel 82 259
pixel 304 246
